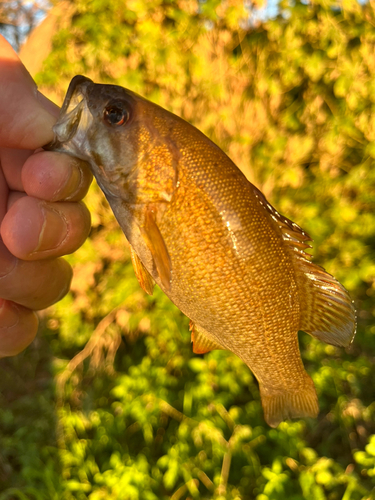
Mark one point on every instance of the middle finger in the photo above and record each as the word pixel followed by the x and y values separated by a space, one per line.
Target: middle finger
pixel 34 229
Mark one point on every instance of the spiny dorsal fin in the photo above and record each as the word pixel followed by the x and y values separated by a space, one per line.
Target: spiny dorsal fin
pixel 327 311
pixel 144 277
pixel 292 233
pixel 202 343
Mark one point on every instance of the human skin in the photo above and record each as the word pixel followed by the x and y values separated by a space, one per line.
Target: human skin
pixel 42 216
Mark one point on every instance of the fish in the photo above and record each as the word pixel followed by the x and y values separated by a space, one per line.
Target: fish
pixel 209 239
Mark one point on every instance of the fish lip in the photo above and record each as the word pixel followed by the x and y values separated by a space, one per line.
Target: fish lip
pixel 70 113
pixel 78 85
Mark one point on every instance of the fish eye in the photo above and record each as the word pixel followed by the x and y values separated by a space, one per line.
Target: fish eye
pixel 116 114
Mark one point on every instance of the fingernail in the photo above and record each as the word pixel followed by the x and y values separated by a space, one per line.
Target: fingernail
pixel 54 230
pixel 75 181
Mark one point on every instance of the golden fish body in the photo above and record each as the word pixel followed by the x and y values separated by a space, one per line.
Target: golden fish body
pixel 209 239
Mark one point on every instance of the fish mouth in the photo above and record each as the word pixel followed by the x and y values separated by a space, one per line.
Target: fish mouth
pixel 74 118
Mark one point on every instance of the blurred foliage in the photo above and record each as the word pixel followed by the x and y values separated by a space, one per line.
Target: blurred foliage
pixel 18 18
pixel 110 402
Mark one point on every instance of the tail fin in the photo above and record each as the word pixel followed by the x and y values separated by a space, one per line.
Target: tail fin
pixel 279 406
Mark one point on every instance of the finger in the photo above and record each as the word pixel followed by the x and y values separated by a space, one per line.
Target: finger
pixel 35 285
pixel 55 177
pixel 34 229
pixel 14 196
pixel 25 123
pixel 18 327
pixel 11 164
pixel 4 191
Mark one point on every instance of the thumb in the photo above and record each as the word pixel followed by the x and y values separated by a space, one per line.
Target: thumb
pixel 25 122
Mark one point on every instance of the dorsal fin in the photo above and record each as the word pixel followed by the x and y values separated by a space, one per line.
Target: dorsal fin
pixel 292 233
pixel 327 312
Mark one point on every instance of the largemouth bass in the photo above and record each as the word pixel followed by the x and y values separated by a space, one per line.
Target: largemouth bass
pixel 209 238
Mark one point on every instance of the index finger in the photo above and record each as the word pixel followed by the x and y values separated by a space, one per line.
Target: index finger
pixel 54 176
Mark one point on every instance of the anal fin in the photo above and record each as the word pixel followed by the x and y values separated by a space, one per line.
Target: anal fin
pixel 202 342
pixel 156 244
pixel 144 277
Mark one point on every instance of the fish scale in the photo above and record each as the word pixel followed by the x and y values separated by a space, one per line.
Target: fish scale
pixel 209 238
pixel 241 316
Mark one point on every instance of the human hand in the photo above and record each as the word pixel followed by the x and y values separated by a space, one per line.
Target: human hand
pixel 41 215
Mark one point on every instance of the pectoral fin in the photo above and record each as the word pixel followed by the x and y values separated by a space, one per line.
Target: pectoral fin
pixel 201 340
pixel 144 277
pixel 156 244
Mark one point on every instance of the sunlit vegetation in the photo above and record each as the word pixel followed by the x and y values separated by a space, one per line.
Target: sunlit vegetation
pixel 110 402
